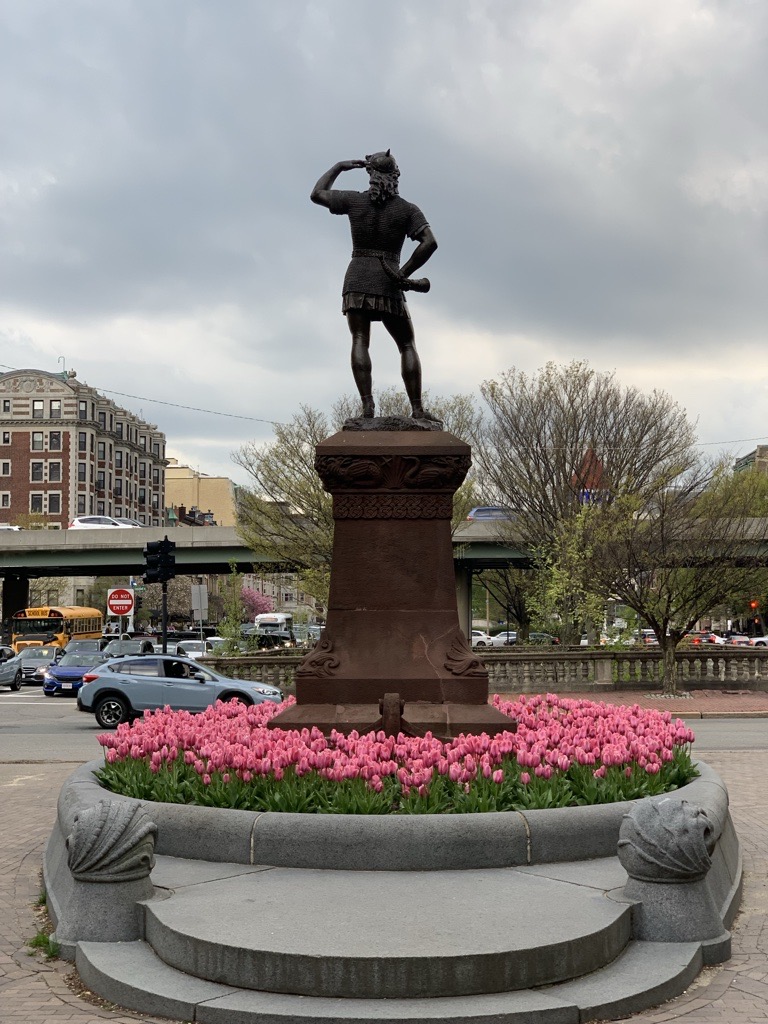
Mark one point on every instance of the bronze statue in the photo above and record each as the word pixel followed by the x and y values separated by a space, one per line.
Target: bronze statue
pixel 380 221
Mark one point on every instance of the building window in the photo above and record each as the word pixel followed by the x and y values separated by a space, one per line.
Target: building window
pixel 155 501
pixel 54 472
pixel 55 408
pixel 5 469
pixel 6 405
pixel 81 504
pixel 99 508
pixel 118 510
pixel 102 451
pixel 82 441
pixel 82 410
pixel 156 449
pixel 36 503
pixel 82 472
pixel 143 520
pixel 6 437
pixel 5 499
pixel 54 441
pixel 37 440
pixel 54 503
pixel 37 409
pixel 142 471
pixel 119 428
pixel 142 496
pixel 36 472
pixel 118 459
pixel 155 477
pixel 103 420
pixel 100 481
pixel 118 488
pixel 143 441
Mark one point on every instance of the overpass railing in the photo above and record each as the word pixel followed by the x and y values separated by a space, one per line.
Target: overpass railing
pixel 542 670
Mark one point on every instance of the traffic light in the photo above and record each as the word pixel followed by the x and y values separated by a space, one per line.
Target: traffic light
pixel 167 559
pixel 754 605
pixel 160 561
pixel 152 561
pixel 137 603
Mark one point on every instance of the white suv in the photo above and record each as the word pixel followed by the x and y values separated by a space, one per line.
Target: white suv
pixel 101 523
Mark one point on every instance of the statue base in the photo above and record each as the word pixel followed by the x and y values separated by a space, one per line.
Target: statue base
pixel 392 624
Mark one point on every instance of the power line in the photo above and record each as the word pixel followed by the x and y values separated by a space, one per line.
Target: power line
pixel 174 405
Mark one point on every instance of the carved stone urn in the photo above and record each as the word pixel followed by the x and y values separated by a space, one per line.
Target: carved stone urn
pixel 392 625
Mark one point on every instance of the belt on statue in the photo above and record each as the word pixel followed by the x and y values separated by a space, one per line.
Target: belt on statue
pixel 393 257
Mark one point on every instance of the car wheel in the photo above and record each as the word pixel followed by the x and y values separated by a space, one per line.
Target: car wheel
pixel 16 684
pixel 480 643
pixel 239 698
pixel 760 643
pixel 111 712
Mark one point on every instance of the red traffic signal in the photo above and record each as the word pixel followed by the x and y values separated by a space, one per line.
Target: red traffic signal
pixel 754 604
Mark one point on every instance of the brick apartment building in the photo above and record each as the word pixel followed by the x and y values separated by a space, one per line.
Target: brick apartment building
pixel 67 451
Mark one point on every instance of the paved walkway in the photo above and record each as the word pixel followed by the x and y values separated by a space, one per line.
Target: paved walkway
pixel 33 991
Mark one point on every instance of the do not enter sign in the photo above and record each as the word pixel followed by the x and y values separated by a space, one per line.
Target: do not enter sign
pixel 120 601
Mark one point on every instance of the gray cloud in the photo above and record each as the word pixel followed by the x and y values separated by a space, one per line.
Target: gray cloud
pixel 596 175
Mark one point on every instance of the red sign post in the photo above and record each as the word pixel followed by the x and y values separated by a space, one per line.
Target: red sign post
pixel 120 601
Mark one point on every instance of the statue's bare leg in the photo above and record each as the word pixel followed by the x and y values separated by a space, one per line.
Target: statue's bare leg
pixel 401 329
pixel 360 328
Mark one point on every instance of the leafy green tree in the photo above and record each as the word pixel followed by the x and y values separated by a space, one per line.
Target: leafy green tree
pixel 674 554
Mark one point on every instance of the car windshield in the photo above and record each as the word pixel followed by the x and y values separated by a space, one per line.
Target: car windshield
pixel 193 645
pixel 39 653
pixel 81 658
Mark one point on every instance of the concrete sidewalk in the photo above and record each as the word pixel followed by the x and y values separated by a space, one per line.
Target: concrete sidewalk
pixel 33 991
pixel 730 703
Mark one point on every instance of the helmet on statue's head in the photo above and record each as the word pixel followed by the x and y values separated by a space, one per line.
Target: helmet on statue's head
pixel 384 163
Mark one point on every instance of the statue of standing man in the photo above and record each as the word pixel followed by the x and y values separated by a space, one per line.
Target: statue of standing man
pixel 380 221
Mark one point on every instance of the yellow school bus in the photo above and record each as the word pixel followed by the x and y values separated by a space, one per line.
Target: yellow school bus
pixel 36 627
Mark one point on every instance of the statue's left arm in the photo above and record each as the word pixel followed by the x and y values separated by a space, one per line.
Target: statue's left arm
pixel 422 252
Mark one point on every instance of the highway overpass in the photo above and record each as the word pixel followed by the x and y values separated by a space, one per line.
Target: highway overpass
pixel 28 554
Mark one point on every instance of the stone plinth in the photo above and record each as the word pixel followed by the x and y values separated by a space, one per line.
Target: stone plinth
pixel 392 623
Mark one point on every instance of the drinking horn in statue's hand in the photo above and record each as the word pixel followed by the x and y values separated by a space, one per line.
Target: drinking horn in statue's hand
pixel 407 284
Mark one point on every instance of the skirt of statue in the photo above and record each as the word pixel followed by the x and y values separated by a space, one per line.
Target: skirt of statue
pixel 374 306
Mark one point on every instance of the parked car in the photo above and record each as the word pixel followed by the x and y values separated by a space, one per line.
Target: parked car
pixel 119 690
pixel 486 512
pixel 758 641
pixel 481 639
pixel 504 639
pixel 102 523
pixel 704 636
pixel 194 648
pixel 65 677
pixel 542 639
pixel 171 647
pixel 739 640
pixel 117 648
pixel 10 668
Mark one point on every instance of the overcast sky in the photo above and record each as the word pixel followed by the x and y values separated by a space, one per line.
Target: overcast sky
pixel 595 172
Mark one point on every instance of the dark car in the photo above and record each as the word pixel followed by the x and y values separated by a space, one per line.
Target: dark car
pixel 91 646
pixel 124 688
pixel 120 648
pixel 66 676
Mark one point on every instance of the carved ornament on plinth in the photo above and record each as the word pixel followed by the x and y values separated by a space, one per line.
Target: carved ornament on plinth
pixel 392 472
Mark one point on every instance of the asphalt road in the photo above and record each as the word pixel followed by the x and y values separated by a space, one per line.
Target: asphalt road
pixel 41 730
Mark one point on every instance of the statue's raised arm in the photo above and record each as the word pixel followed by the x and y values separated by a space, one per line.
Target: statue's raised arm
pixel 374 284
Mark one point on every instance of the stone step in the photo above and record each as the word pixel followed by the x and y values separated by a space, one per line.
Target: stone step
pixel 133 976
pixel 386 935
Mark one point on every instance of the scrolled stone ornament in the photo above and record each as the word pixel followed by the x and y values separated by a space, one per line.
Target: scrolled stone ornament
pixel 111 842
pixel 666 841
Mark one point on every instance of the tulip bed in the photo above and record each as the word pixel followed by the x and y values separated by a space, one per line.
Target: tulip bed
pixel 564 753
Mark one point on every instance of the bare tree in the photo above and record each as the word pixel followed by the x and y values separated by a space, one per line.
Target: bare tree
pixel 564 439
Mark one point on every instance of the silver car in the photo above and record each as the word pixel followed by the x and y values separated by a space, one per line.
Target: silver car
pixel 123 688
pixel 10 668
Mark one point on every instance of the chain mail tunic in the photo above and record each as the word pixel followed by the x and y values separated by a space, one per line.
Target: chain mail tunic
pixel 378 232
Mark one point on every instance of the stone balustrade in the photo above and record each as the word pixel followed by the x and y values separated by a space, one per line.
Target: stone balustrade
pixel 547 670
